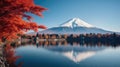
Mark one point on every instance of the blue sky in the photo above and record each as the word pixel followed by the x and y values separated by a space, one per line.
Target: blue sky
pixel 104 14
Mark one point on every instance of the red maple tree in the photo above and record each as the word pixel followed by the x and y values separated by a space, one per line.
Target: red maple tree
pixel 14 17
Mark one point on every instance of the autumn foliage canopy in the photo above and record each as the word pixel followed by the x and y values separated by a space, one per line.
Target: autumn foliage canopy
pixel 14 17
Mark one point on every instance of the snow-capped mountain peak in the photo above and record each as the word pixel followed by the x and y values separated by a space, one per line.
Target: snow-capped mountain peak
pixel 76 22
pixel 75 26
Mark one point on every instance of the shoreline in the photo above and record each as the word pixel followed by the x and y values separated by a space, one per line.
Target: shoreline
pixel 3 62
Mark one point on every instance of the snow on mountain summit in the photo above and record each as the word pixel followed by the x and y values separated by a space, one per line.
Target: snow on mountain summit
pixel 76 22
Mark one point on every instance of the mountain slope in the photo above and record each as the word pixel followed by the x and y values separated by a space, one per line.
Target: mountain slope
pixel 75 30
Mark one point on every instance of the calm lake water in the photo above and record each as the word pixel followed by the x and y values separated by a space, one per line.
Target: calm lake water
pixel 67 55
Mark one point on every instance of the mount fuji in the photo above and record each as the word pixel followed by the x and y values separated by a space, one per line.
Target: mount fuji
pixel 74 26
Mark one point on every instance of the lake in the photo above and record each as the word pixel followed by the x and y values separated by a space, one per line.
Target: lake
pixel 67 55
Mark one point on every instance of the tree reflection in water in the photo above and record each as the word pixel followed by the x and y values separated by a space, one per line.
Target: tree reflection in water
pixel 9 54
pixel 64 42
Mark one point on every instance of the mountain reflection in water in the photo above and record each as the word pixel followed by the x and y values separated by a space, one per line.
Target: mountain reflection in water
pixel 77 57
pixel 75 53
pixel 58 53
